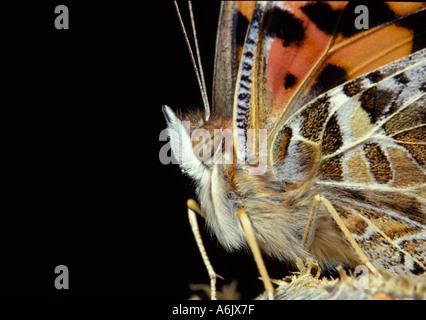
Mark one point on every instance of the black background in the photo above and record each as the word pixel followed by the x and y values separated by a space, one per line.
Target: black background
pixel 82 182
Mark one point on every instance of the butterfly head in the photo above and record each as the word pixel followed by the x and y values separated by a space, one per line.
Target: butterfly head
pixel 196 144
pixel 203 149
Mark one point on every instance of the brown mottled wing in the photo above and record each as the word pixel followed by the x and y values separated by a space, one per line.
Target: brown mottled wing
pixel 374 164
pixel 364 143
pixel 232 28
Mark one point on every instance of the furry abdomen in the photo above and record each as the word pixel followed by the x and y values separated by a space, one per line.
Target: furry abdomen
pixel 280 216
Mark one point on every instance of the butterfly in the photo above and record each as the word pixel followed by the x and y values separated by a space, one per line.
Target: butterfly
pixel 316 130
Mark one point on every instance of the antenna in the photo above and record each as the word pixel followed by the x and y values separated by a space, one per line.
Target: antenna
pixel 200 76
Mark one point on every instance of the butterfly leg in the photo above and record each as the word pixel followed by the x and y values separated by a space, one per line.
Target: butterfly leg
pixel 310 229
pixel 192 208
pixel 193 205
pixel 308 236
pixel 251 239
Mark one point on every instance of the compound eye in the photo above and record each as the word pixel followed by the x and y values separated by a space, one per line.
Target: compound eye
pixel 206 142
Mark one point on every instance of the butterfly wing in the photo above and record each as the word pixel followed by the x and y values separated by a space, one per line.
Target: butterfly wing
pixel 282 46
pixel 364 144
pixel 232 28
pixel 395 30
pixel 380 192
pixel 298 50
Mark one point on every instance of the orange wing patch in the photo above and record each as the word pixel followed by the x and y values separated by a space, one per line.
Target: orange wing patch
pixel 334 51
pixel 294 46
